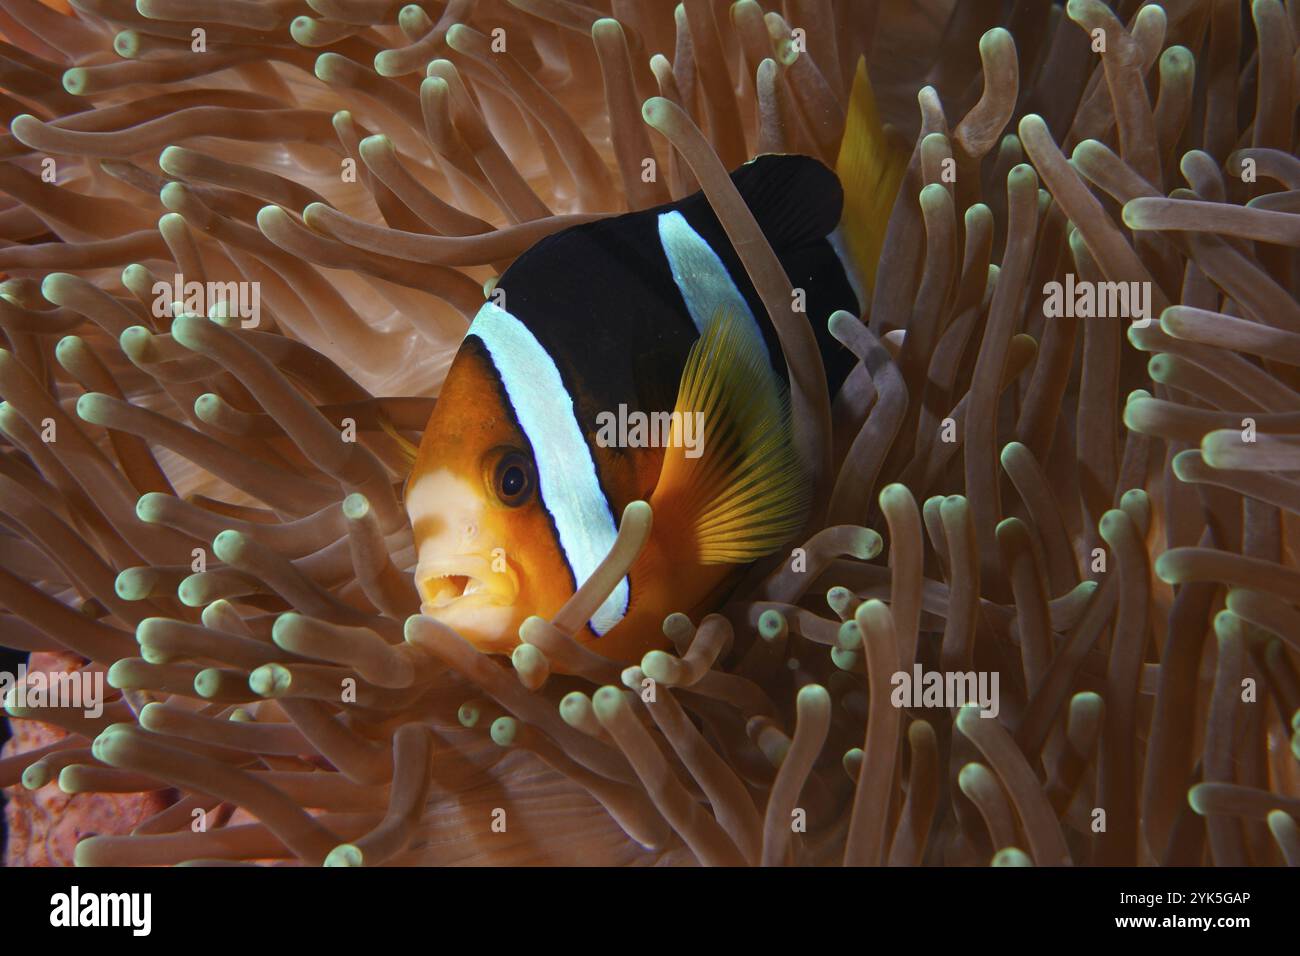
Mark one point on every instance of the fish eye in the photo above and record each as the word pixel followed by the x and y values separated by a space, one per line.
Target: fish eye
pixel 513 479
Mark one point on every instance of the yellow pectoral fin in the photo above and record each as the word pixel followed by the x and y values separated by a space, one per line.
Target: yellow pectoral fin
pixel 732 488
pixel 870 168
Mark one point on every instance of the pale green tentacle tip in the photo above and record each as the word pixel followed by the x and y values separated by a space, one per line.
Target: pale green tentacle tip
pixel 1135 498
pixel 93 407
pixel 1011 451
pixel 934 196
pixel 148 507
pixel 1227 627
pixel 526 657
pixel 105 747
pixel 456 35
pixel 36 776
pixel 434 84
pixel 656 665
pixel 356 506
pixel 606 701
pixel 386 62
pixel 895 495
pixel 468 714
pixel 637 511
pixel 81 853
pixel 1295 722
pixel 207 405
pixel 1112 524
pixel 133 584
pixel 849 636
pixel 413 15
pixel 126 43
pixel 191 591
pixel 169 157
pixel 1283 826
pixel 1177 59
pixel 573 706
pixel 345 854
pixel 772 625
pixel 953 508
pixel 504 731
pixel 67 348
pixel 813 694
pixel 867 544
pixel 372 144
pixel 852 762
pixel 75 80
pixel 186 330
pixel 68 780
pixel 968 717
pixel 145 629
pixel 1196 798
pixel 207 682
pixel 327 66
pixel 134 338
pixel 632 677
pixel 995 40
pixel 1011 856
pixel 242 715
pixel 116 676
pixel 1006 525
pixel 409 627
pixel 172 195
pixel 1085 701
pixel 1166 569
pixel 269 680
pixel 971 775
pixel 302 30
pixel 844 660
pixel 228 545
pixel 655 110
pixel 171 221
pixel 284 628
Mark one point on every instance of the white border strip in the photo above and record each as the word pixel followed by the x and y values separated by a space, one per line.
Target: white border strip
pixel 701 276
pixel 566 471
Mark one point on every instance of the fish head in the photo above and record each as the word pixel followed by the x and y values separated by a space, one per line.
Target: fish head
pixel 486 552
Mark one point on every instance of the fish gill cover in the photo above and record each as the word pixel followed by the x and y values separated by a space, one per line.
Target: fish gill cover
pixel 1045 609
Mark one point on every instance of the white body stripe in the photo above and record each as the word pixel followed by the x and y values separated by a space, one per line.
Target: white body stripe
pixel 566 471
pixel 701 276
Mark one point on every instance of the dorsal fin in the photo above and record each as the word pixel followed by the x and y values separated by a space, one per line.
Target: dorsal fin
pixel 744 493
pixel 795 199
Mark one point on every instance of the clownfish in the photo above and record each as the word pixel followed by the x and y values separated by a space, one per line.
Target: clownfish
pixel 628 359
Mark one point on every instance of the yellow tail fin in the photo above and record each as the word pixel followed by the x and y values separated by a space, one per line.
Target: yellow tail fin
pixel 870 167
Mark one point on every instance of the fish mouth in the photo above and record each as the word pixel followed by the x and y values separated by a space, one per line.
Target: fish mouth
pixel 464 581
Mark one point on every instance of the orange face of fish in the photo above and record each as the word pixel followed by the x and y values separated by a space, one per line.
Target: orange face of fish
pixel 485 562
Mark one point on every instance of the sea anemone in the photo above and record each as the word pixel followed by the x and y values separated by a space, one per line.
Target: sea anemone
pixel 209 511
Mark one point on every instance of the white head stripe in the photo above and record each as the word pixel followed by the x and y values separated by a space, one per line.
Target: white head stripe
pixel 566 471
pixel 701 276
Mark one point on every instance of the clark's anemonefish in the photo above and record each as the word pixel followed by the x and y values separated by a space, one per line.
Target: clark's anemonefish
pixel 540 435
